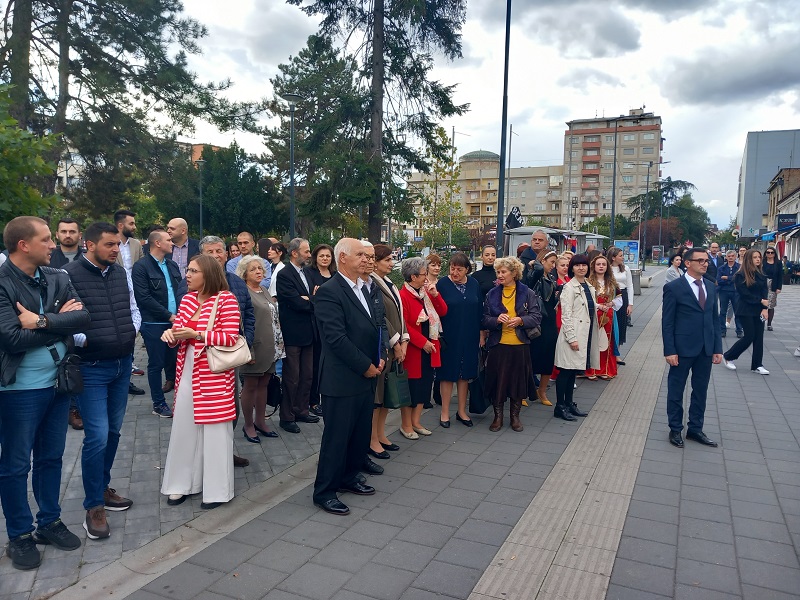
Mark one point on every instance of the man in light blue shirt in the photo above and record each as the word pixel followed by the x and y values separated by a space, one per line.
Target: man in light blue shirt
pixel 247 245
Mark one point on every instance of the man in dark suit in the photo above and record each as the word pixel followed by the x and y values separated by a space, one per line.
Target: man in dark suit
pixel 349 367
pixel 296 315
pixel 715 261
pixel 692 342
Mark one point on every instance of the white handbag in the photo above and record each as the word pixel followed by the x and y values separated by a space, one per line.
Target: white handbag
pixel 225 358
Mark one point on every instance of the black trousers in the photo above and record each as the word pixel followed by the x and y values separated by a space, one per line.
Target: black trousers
pixel 345 441
pixel 700 368
pixel 565 386
pixel 753 334
pixel 298 372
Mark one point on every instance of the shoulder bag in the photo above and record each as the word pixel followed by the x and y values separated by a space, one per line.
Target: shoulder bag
pixel 396 393
pixel 69 379
pixel 225 358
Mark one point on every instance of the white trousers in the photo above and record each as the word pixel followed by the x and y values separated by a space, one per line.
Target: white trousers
pixel 200 457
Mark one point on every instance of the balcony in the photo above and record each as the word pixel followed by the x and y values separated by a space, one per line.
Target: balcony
pixel 591 144
pixel 590 185
pixel 592 212
pixel 590 172
pixel 590 158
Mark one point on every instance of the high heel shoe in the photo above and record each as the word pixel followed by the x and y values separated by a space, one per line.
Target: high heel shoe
pixel 272 434
pixel 544 400
pixel 252 440
pixel 467 422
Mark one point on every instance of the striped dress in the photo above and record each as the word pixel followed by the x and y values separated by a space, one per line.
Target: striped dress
pixel 212 393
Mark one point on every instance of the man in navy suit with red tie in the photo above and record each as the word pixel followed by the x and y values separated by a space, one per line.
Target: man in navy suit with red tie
pixel 692 342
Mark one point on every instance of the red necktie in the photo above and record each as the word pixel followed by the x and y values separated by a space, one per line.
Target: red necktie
pixel 702 298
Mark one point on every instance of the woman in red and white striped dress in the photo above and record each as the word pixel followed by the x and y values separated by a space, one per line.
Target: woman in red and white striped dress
pixel 200 455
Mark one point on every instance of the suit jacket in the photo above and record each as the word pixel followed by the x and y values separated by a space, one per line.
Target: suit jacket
pixel 59 261
pixel 711 272
pixel 350 340
pixel 150 289
pixel 687 329
pixel 296 313
pixel 136 251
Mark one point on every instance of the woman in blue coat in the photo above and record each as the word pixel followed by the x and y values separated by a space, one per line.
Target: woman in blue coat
pixel 461 328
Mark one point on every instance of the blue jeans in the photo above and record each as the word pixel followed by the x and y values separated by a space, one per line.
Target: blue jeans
pixel 31 421
pixel 728 296
pixel 102 404
pixel 158 356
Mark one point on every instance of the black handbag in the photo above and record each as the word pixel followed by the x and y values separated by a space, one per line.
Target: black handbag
pixel 396 393
pixel 274 392
pixel 478 399
pixel 69 379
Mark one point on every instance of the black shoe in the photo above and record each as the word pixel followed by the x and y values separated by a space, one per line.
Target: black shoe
pixel 265 433
pixel 724 334
pixel 467 422
pixel 562 413
pixel 390 447
pixel 382 454
pixel 445 424
pixel 289 426
pixel 621 362
pixel 699 436
pixel 360 478
pixel 316 410
pixel 135 391
pixel 57 534
pixel 573 410
pixel 238 461
pixel 176 501
pixel 334 506
pixel 23 553
pixel 210 505
pixel 253 440
pixel 427 405
pixel 371 467
pixel 739 334
pixel 675 439
pixel 307 419
pixel 360 489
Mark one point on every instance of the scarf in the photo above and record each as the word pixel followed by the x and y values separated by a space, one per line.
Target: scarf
pixel 428 313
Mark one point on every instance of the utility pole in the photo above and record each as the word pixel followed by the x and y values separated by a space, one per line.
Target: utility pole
pixel 614 186
pixel 500 205
pixel 643 249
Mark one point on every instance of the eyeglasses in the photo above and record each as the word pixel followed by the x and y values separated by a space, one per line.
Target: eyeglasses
pixel 425 274
pixel 702 261
pixel 193 271
pixel 769 252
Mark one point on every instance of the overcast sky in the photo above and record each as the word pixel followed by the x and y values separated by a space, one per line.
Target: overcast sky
pixel 712 69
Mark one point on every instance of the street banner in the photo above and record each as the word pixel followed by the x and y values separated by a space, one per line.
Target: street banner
pixel 630 252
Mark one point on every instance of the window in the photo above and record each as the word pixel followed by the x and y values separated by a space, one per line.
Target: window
pixel 608 165
pixel 609 138
pixel 591 138
pixel 629 137
pixel 592 152
pixel 554 206
pixel 606 205
pixel 573 167
pixel 513 194
pixel 490 209
pixel 629 151
pixel 574 139
pixel 523 194
pixel 591 165
pixel 514 182
pixel 489 185
pixel 541 193
pixel 475 210
pixel 608 152
pixel 524 182
pixel 627 178
pixel 590 206
pixel 648 136
pixel 608 179
pixel 628 165
pixel 539 207
pixel 573 154
pixel 541 181
pixel 647 150
pixel 573 180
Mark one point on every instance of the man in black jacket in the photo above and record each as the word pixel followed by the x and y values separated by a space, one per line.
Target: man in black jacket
pixel 350 365
pixel 106 350
pixel 296 315
pixel 39 310
pixel 156 280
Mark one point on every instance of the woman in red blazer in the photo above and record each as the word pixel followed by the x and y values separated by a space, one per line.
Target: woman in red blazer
pixel 200 454
pixel 422 307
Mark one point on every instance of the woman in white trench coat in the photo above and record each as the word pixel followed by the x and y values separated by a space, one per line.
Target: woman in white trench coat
pixel 577 345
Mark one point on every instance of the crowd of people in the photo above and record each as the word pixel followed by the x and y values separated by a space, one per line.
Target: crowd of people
pixel 329 333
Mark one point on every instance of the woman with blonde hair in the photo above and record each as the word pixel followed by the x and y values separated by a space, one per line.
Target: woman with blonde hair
pixel 605 286
pixel 510 314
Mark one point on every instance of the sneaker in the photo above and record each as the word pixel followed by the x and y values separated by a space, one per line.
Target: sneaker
pixel 23 553
pixel 769 327
pixel 113 501
pixel 95 523
pixel 162 411
pixel 75 420
pixel 761 371
pixel 729 364
pixel 57 534
pixel 797 351
pixel 137 370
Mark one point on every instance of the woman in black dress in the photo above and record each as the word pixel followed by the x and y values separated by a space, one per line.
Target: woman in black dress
pixel 543 348
pixel 773 269
pixel 486 276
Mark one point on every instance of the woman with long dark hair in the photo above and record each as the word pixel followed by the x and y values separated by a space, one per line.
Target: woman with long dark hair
pixel 674 270
pixel 773 269
pixel 751 308
pixel 605 286
pixel 276 255
pixel 543 348
pixel 622 275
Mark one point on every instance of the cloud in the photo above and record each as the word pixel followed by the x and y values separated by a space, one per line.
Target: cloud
pixel 584 77
pixel 600 32
pixel 744 74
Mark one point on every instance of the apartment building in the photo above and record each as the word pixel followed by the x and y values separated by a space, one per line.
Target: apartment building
pixel 606 160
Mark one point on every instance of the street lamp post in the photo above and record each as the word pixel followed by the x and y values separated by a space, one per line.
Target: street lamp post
pixel 614 186
pixel 200 162
pixel 643 248
pixel 292 100
pixel 500 208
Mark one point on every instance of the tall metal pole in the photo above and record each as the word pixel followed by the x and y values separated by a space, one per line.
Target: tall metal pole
pixel 200 162
pixel 500 204
pixel 614 187
pixel 291 174
pixel 574 224
pixel 643 249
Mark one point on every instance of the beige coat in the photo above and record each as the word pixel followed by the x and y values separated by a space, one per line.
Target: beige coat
pixel 395 324
pixel 575 324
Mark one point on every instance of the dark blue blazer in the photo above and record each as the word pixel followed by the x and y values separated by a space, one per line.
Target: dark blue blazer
pixel 687 329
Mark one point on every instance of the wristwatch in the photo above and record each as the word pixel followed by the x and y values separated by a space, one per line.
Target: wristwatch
pixel 199 337
pixel 41 322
